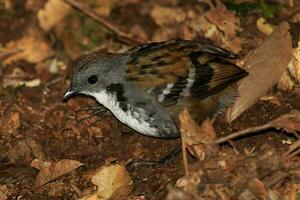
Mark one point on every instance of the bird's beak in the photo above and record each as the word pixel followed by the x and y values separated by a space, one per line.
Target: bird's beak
pixel 69 93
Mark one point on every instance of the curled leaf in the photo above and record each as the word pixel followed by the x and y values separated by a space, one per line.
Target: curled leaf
pixel 265 65
pixel 113 182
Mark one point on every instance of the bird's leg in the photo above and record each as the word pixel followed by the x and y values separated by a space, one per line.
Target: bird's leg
pixel 157 163
pixel 98 110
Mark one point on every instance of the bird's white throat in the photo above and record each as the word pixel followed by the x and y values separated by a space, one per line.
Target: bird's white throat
pixel 135 120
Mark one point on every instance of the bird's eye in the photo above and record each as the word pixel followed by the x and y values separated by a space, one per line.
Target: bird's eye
pixel 92 79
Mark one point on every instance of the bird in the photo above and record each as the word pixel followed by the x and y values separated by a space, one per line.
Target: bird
pixel 147 86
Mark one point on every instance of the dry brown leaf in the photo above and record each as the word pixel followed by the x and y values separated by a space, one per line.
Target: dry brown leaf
pixel 265 66
pixel 199 140
pixel 55 170
pixel 189 183
pixel 209 30
pixel 227 21
pixel 32 50
pixel 53 13
pixel 228 24
pixel 165 16
pixel 113 182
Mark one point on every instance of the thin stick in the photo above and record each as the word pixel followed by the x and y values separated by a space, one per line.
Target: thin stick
pixel 122 36
pixel 274 123
pixel 244 132
pixel 185 162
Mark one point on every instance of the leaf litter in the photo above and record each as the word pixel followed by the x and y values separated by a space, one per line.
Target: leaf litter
pixel 255 157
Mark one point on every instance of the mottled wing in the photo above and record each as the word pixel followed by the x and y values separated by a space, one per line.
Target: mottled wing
pixel 174 69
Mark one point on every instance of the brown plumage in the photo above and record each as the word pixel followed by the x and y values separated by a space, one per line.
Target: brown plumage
pixel 154 66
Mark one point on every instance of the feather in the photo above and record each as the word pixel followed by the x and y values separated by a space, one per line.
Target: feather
pixel 177 69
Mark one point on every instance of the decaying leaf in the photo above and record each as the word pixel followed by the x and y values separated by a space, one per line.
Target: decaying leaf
pixel 265 65
pixel 189 183
pixel 55 170
pixel 228 25
pixel 32 49
pixel 54 12
pixel 199 140
pixel 113 182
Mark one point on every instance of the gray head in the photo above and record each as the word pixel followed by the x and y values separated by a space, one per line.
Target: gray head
pixel 93 72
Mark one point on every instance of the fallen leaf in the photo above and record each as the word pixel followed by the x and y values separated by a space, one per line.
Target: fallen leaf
pixel 32 50
pixel 113 182
pixel 265 65
pixel 55 170
pixel 228 24
pixel 227 21
pixel 53 12
pixel 263 26
pixel 165 16
pixel 40 164
pixel 199 140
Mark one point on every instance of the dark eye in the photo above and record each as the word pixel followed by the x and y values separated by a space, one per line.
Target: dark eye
pixel 92 79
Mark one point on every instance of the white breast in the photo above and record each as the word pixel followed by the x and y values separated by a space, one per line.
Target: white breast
pixel 133 119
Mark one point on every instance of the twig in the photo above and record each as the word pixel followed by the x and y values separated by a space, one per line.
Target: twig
pixel 184 158
pixel 276 123
pixel 122 36
pixel 244 132
pixel 293 149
